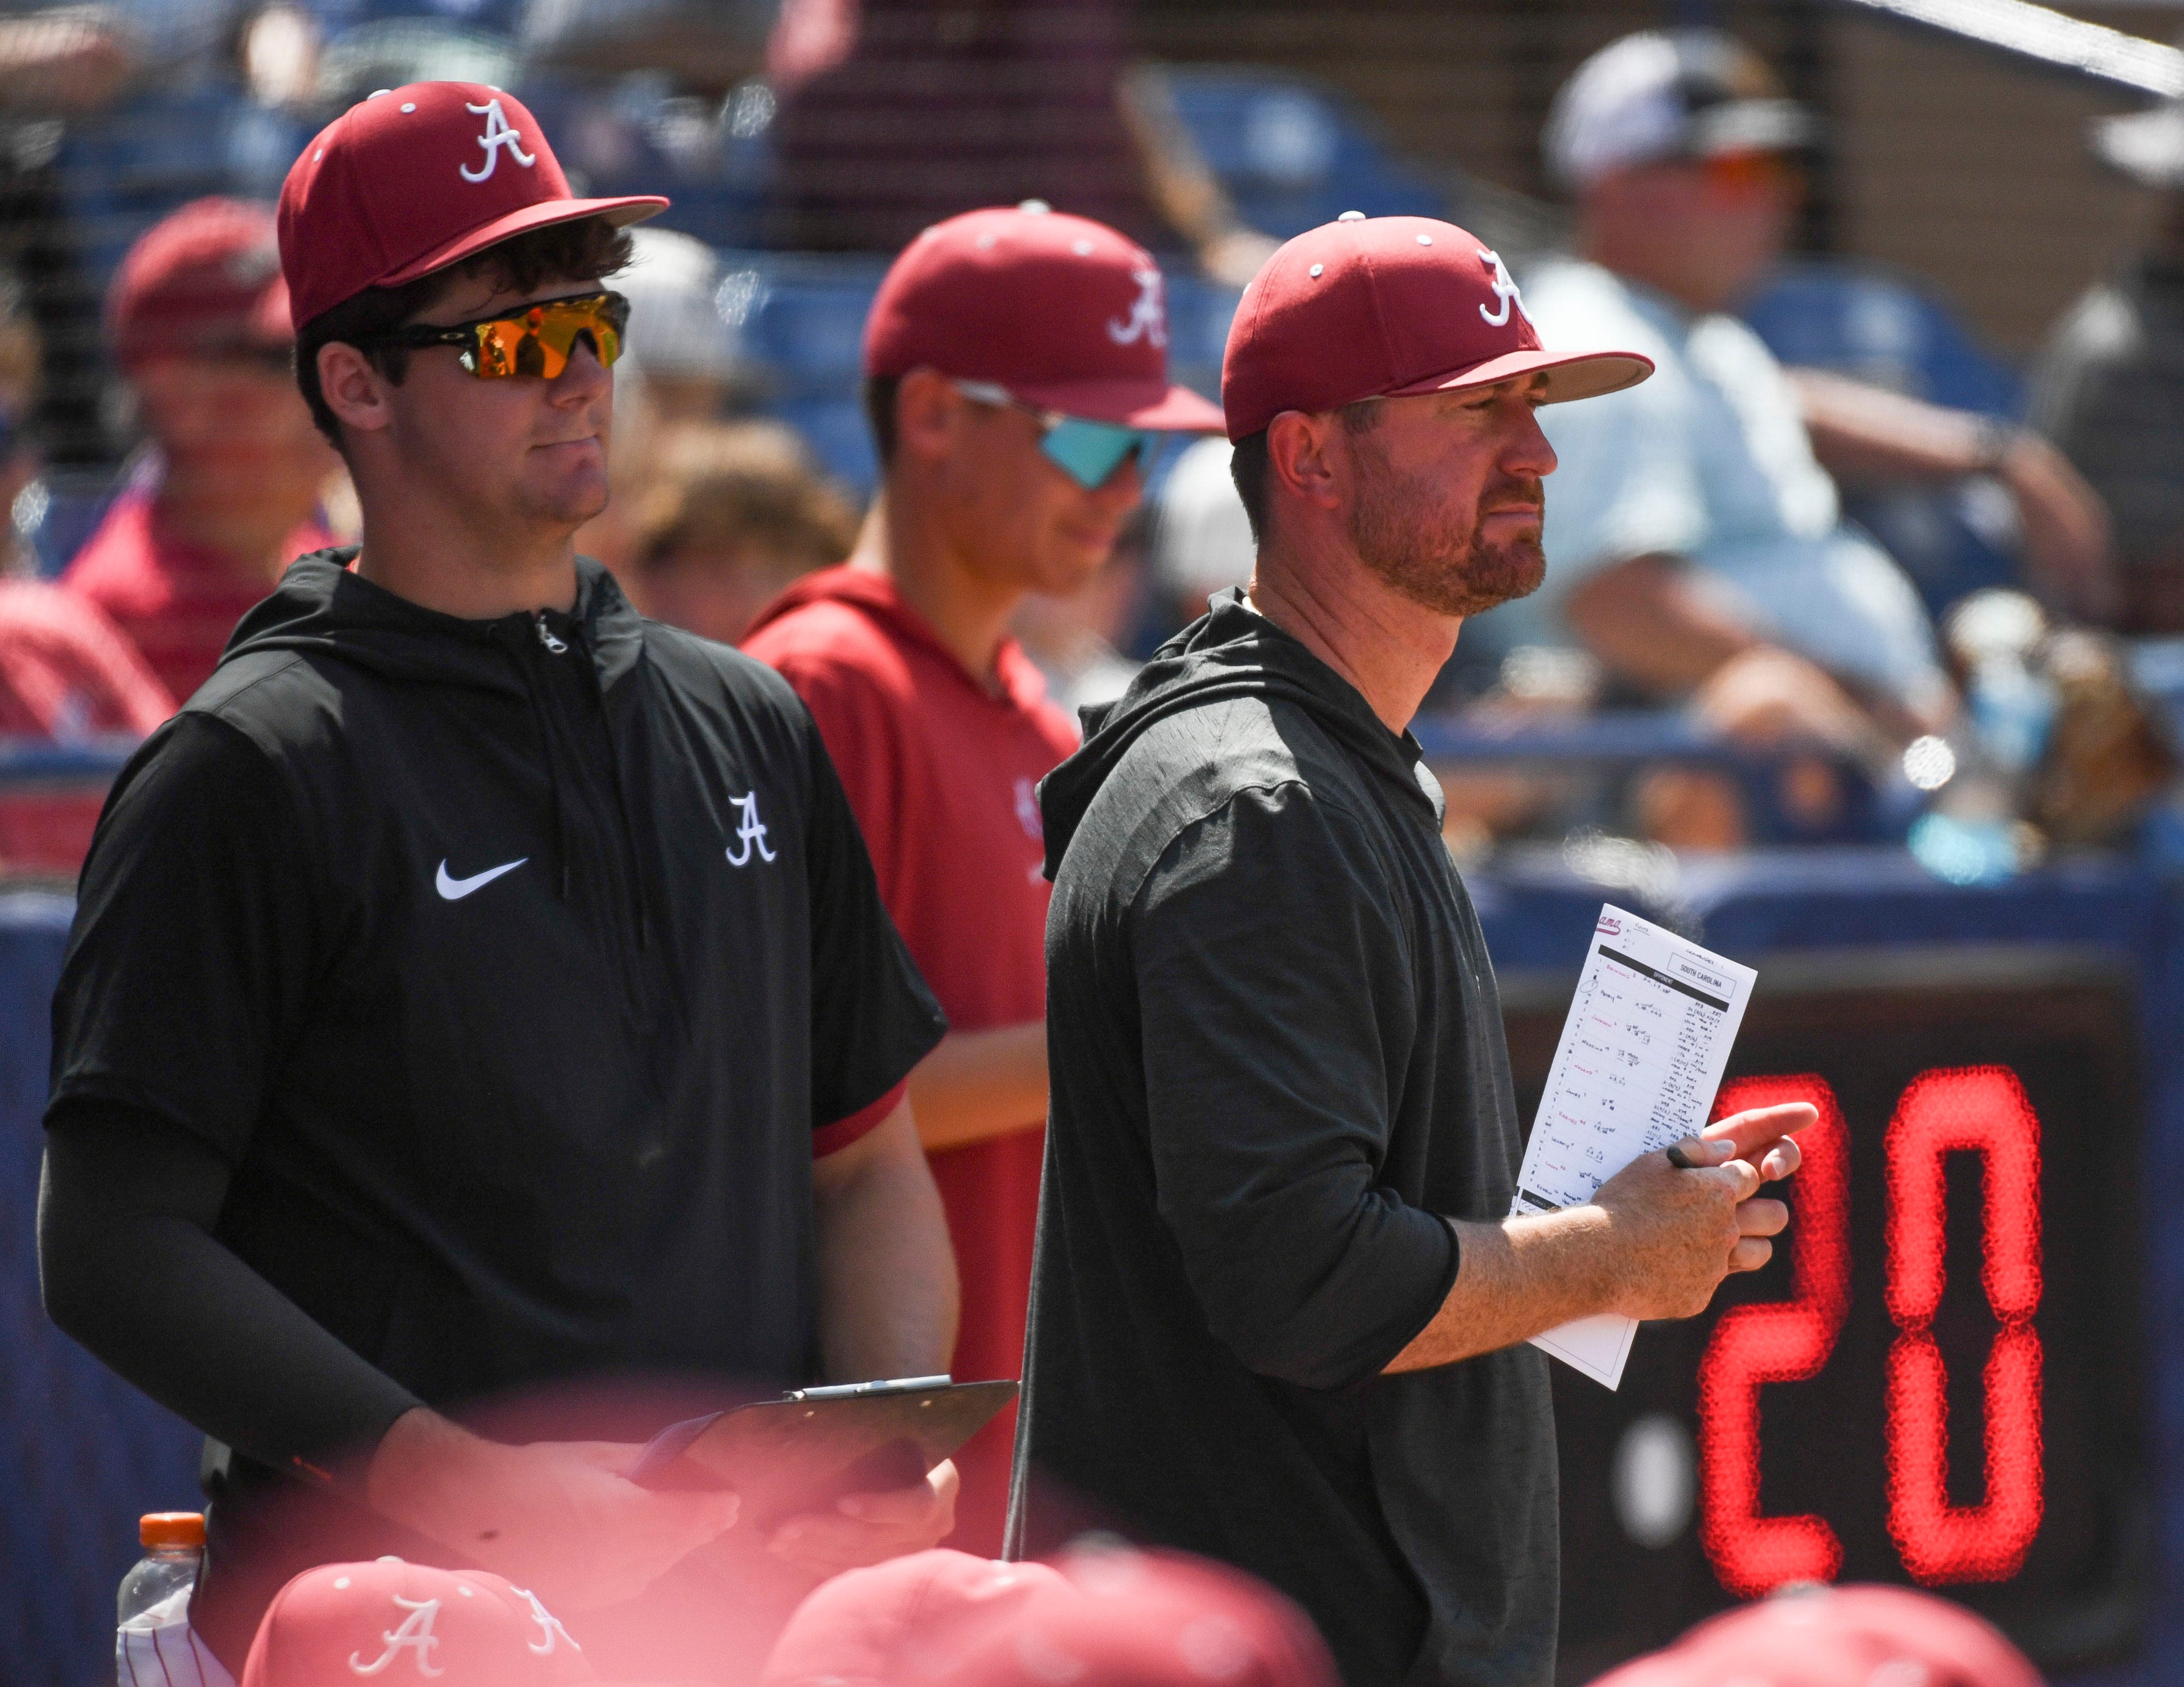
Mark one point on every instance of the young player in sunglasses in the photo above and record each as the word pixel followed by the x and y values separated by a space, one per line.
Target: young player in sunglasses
pixel 1016 377
pixel 478 989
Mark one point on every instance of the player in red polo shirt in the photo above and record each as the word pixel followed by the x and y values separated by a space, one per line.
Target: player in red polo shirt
pixel 1014 362
pixel 199 318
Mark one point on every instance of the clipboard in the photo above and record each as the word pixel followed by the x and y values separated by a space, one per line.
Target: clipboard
pixel 813 1446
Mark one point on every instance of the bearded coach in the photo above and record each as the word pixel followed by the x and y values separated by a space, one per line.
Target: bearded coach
pixel 1279 1309
pixel 477 989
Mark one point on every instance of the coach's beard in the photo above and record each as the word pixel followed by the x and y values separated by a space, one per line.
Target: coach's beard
pixel 1409 537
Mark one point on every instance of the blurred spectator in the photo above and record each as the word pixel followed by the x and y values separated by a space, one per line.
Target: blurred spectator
pixel 1811 1636
pixel 56 64
pixel 709 43
pixel 678 343
pixel 896 114
pixel 198 316
pixel 66 671
pixel 458 1628
pixel 1009 421
pixel 1203 539
pixel 1107 1615
pixel 734 511
pixel 2109 386
pixel 1695 540
pixel 62 59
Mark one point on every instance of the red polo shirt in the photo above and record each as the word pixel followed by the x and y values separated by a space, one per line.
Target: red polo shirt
pixel 942 773
pixel 177 601
pixel 65 672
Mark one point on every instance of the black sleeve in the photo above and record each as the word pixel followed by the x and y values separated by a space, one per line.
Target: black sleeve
pixel 872 1017
pixel 1268 960
pixel 196 941
pixel 131 1268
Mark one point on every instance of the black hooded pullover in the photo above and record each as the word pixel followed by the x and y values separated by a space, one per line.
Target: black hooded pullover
pixel 515 969
pixel 1277 1057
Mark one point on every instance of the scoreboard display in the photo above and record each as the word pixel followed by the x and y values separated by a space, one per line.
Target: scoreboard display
pixel 1937 1380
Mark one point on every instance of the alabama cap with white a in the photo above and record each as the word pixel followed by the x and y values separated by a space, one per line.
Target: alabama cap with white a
pixel 1064 313
pixel 392 1622
pixel 1669 94
pixel 415 179
pixel 1392 307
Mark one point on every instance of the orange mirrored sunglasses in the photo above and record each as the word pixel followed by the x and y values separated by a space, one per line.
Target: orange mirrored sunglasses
pixel 1747 172
pixel 534 339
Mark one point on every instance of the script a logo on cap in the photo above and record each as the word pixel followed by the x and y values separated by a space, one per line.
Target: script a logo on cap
pixel 498 132
pixel 1505 289
pixel 1148 317
pixel 413 1633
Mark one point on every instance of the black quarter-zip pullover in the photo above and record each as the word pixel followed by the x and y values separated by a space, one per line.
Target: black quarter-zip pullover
pixel 1278 1064
pixel 515 969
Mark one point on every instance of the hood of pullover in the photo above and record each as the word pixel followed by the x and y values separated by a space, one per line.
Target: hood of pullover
pixel 321 607
pixel 1231 651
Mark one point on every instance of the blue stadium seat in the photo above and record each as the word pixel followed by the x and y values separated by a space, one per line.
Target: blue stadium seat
pixel 1293 154
pixel 834 428
pixel 1864 322
pixel 803 317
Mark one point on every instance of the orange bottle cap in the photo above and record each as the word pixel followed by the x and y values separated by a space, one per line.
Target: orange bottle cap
pixel 171 1529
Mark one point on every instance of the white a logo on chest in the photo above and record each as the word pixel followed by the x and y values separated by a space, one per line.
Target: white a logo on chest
pixel 751 833
pixel 1148 317
pixel 499 133
pixel 414 1635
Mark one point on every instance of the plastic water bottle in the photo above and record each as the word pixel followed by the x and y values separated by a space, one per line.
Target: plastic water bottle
pixel 156 1594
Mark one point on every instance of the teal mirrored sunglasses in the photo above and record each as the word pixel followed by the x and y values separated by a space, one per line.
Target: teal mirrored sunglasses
pixel 1088 452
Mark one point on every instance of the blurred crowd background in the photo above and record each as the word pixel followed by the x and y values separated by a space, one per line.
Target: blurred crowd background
pixel 1976 211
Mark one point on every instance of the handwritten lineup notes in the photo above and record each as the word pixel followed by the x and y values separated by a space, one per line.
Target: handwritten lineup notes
pixel 1641 1056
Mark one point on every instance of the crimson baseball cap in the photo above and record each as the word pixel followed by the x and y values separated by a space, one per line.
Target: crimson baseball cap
pixel 865 1625
pixel 1064 313
pixel 1110 1616
pixel 1836 1637
pixel 415 179
pixel 1388 307
pixel 402 1622
pixel 204 278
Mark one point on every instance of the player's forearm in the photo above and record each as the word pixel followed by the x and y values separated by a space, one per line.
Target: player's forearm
pixel 981 1083
pixel 888 1296
pixel 1643 620
pixel 130 1268
pixel 1516 1279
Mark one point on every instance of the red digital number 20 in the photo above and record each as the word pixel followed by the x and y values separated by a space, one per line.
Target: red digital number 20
pixel 1977 1109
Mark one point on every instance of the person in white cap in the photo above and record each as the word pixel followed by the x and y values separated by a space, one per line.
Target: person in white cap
pixel 680 345
pixel 1696 542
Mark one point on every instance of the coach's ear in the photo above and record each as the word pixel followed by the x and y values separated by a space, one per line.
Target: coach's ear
pixel 1299 464
pixel 354 391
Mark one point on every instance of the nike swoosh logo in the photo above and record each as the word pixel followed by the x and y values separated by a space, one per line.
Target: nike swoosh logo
pixel 454 890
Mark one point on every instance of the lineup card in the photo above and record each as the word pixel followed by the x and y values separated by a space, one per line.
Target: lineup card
pixel 1641 1056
